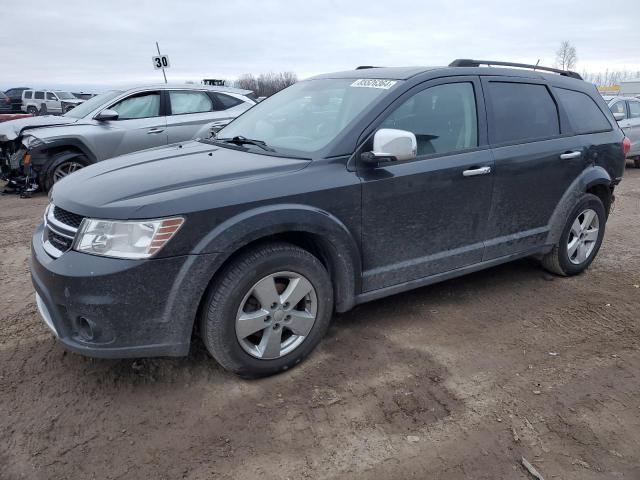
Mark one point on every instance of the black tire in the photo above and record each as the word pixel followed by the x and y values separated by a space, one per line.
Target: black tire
pixel 557 261
pixel 225 295
pixel 48 176
pixel 32 110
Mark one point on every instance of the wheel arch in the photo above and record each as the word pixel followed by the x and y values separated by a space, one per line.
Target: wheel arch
pixel 315 230
pixel 595 180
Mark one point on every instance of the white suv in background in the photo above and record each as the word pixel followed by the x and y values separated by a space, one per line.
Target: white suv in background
pixel 626 111
pixel 42 102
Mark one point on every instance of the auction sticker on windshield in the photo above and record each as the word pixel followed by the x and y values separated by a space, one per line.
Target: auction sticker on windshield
pixel 374 83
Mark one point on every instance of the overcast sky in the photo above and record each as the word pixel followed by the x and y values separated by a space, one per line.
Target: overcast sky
pixel 98 44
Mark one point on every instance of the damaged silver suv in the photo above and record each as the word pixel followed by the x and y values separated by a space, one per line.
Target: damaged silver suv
pixel 44 149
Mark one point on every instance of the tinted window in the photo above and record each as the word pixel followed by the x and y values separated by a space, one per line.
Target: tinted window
pixel 618 107
pixel 190 102
pixel 583 113
pixel 28 95
pixel 521 111
pixel 39 96
pixel 144 105
pixel 634 109
pixel 443 118
pixel 51 96
pixel 227 101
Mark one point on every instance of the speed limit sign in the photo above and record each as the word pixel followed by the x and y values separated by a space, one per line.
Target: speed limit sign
pixel 161 61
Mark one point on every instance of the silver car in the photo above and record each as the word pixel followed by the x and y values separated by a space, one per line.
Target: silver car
pixel 115 123
pixel 626 111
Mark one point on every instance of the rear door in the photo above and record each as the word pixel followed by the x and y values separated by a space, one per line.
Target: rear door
pixel 536 159
pixel 428 215
pixel 632 126
pixel 188 111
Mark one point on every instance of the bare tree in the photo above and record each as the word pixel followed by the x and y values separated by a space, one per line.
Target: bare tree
pixel 566 57
pixel 266 84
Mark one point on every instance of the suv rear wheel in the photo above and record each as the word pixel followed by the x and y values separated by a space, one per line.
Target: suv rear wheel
pixel 32 110
pixel 267 310
pixel 580 240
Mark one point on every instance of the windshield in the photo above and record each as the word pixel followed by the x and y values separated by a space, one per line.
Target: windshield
pixel 65 95
pixel 90 105
pixel 308 115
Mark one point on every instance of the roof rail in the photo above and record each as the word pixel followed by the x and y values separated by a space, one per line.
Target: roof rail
pixel 364 67
pixel 465 62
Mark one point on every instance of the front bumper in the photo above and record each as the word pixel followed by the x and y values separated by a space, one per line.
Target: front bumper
pixel 114 308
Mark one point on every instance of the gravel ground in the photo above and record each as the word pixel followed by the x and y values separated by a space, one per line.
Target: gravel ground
pixel 456 380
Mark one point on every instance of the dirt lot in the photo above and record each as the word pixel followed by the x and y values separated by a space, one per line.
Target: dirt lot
pixel 458 380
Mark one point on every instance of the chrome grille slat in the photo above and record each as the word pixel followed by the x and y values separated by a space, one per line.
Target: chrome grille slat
pixel 58 236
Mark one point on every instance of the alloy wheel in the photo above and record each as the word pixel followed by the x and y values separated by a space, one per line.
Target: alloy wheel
pixel 583 236
pixel 276 315
pixel 65 169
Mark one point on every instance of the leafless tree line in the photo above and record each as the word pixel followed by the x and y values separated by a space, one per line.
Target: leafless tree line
pixel 266 84
pixel 610 77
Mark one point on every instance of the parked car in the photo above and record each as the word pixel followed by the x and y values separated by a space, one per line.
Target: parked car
pixel 5 104
pixel 42 102
pixel 626 110
pixel 15 94
pixel 115 123
pixel 338 190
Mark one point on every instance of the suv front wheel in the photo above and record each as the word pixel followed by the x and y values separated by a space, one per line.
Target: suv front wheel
pixel 580 240
pixel 267 310
pixel 61 166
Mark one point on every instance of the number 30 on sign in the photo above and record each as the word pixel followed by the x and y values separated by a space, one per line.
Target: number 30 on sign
pixel 161 61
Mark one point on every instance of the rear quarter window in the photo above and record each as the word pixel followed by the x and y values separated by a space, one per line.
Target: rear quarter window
pixel 521 112
pixel 583 112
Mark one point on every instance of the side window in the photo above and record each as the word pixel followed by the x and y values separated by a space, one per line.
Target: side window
pixel 634 109
pixel 521 112
pixel 583 112
pixel 28 95
pixel 189 102
pixel 51 96
pixel 227 101
pixel 618 107
pixel 143 105
pixel 39 96
pixel 443 118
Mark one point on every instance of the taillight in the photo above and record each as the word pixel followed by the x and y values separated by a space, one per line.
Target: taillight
pixel 626 146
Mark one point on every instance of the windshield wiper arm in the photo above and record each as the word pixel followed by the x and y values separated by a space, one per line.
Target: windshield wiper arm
pixel 239 140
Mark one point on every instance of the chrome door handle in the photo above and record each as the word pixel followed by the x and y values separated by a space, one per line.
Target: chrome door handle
pixel 570 155
pixel 476 171
pixel 155 130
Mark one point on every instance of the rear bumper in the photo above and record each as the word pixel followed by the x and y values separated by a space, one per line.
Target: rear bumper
pixel 112 308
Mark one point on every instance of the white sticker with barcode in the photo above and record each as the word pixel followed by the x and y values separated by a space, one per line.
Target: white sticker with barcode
pixel 374 83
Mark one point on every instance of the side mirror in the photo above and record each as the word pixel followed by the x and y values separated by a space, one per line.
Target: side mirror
pixel 106 115
pixel 391 145
pixel 618 116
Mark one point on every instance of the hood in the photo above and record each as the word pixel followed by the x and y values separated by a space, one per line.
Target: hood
pixel 172 180
pixel 14 128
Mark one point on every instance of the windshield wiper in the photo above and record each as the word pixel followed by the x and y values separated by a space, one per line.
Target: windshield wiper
pixel 239 140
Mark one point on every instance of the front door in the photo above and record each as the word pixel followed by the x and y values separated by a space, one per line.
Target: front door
pixel 428 215
pixel 141 124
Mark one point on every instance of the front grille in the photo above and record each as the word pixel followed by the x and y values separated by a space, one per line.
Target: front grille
pixel 68 218
pixel 58 241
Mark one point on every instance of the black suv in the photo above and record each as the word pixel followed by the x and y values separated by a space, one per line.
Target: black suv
pixel 338 190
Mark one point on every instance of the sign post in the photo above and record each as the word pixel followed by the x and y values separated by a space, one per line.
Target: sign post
pixel 161 62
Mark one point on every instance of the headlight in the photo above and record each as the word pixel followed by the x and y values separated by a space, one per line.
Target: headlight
pixel 127 239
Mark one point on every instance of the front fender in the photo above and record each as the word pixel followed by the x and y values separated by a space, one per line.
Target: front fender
pixel 329 233
pixel 590 177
